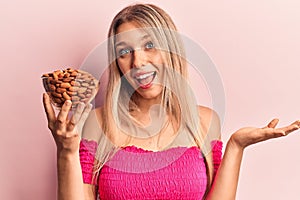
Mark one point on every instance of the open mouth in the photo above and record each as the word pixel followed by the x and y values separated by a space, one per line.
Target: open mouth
pixel 145 80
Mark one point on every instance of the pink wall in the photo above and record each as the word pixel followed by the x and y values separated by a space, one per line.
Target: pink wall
pixel 255 45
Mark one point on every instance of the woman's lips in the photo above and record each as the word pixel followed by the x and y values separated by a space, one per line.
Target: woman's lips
pixel 145 80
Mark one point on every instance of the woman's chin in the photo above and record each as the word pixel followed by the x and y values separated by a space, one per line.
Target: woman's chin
pixel 152 91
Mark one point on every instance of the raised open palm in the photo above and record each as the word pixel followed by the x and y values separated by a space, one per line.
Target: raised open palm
pixel 251 135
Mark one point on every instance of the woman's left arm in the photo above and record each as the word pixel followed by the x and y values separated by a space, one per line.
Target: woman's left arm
pixel 226 180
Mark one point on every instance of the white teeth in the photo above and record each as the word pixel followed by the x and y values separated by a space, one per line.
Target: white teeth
pixel 143 76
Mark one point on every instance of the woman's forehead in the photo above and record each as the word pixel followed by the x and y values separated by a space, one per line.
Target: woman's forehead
pixel 131 32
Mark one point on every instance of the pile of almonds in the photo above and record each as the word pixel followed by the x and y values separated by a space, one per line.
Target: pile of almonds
pixel 70 84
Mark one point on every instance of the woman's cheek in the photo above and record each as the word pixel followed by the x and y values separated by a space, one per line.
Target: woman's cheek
pixel 124 66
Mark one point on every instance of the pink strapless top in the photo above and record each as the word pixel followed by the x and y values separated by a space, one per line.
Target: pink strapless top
pixel 135 173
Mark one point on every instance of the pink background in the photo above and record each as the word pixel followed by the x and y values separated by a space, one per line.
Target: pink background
pixel 254 44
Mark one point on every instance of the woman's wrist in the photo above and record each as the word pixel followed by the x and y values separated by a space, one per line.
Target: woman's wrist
pixel 66 154
pixel 233 144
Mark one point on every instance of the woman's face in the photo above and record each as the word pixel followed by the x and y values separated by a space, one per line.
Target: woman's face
pixel 139 60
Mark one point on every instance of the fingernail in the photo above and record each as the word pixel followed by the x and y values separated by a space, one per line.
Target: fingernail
pixel 68 102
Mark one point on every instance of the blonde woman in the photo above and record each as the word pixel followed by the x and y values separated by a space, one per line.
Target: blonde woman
pixel 150 140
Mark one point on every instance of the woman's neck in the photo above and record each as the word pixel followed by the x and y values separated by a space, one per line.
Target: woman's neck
pixel 147 109
pixel 145 105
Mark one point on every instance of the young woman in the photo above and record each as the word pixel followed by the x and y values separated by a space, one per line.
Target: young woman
pixel 150 140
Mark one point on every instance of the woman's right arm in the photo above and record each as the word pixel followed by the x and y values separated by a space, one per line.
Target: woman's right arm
pixel 66 132
pixel 226 181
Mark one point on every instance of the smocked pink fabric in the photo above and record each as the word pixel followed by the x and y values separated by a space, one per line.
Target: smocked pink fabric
pixel 217 154
pixel 135 173
pixel 87 152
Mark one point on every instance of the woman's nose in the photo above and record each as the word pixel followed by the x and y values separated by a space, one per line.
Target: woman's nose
pixel 139 58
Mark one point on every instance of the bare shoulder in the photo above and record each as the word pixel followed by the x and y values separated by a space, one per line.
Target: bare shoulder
pixel 93 124
pixel 95 116
pixel 98 112
pixel 210 121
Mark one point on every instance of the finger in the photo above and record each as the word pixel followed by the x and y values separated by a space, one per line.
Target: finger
pixel 63 114
pixel 82 117
pixel 49 110
pixel 76 116
pixel 86 112
pixel 289 129
pixel 273 123
pixel 297 123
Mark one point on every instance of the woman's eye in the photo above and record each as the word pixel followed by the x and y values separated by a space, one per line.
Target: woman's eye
pixel 123 52
pixel 149 45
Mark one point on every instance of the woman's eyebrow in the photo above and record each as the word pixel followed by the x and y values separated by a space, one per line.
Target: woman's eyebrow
pixel 144 37
pixel 120 43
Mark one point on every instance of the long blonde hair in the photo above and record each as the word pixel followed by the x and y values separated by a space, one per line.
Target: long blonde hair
pixel 177 98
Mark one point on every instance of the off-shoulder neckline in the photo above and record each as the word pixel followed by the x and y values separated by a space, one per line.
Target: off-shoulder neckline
pixel 140 149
